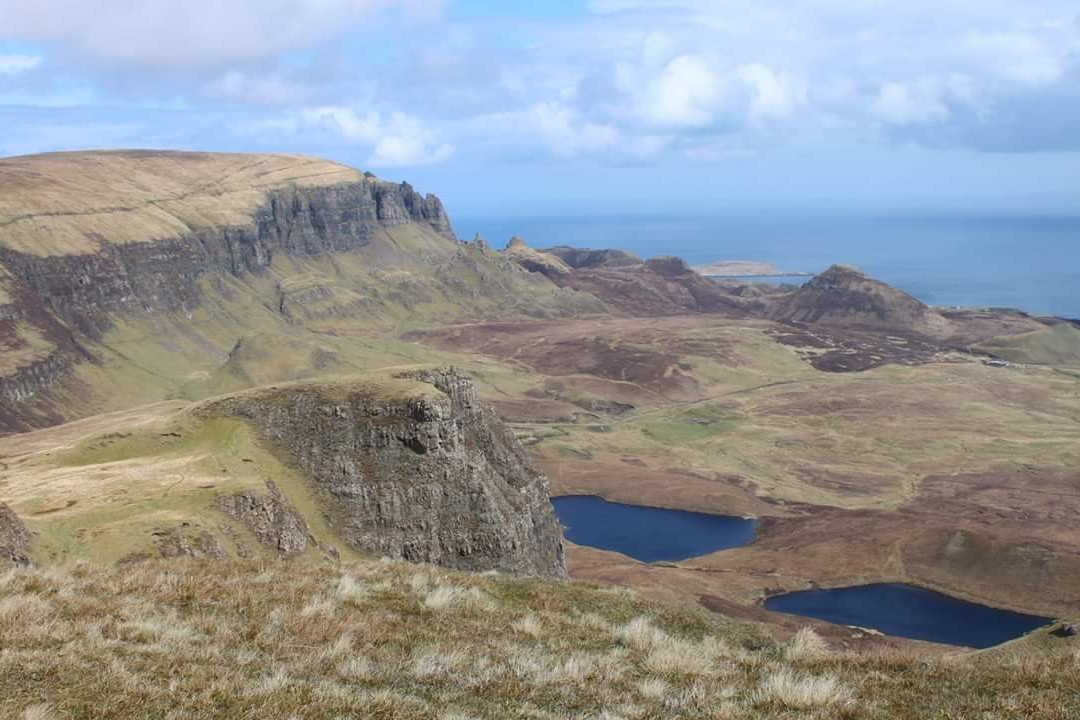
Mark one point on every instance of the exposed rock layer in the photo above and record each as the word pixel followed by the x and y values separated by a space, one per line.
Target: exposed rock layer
pixel 14 538
pixel 434 477
pixel 271 517
pixel 162 275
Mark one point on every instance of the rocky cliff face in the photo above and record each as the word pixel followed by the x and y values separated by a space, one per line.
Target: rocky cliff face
pixel 14 538
pixel 434 477
pixel 271 517
pixel 82 289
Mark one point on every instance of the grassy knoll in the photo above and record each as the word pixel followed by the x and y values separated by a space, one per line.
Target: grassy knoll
pixel 1058 345
pixel 105 494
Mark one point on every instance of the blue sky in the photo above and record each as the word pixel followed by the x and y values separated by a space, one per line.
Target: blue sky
pixel 580 106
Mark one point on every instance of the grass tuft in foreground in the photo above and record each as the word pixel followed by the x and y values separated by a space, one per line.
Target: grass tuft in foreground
pixel 201 639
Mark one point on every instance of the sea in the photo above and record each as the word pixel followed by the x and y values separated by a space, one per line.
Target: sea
pixel 1031 263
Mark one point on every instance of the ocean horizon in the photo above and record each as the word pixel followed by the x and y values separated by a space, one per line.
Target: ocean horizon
pixel 1030 263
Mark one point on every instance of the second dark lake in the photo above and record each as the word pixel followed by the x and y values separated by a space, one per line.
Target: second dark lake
pixel 646 533
pixel 910 612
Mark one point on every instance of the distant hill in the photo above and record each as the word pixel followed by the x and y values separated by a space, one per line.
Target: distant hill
pixel 844 296
pixel 582 258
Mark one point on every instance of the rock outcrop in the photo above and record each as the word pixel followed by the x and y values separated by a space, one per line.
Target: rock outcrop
pixel 271 517
pixel 14 538
pixel 534 260
pixel 418 470
pixel 185 541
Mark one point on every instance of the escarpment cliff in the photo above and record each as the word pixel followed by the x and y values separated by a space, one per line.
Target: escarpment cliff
pixel 83 288
pixel 418 470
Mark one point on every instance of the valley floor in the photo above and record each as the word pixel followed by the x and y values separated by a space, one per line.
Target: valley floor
pixel 946 474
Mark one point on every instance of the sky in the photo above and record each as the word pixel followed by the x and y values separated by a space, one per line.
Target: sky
pixel 580 107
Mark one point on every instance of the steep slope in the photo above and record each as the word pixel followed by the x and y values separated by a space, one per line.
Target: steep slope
pixel 180 255
pixel 402 464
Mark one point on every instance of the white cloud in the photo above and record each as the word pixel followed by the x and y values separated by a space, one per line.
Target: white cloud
pixel 185 35
pixel 551 128
pixel 18 64
pixel 686 93
pixel 256 88
pixel 632 79
pixel 776 95
pixel 395 140
pixel 566 134
pixel 910 104
pixel 1016 56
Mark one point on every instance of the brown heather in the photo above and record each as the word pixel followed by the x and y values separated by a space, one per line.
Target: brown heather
pixel 202 639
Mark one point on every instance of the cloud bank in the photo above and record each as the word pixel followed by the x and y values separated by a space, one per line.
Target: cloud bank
pixel 622 82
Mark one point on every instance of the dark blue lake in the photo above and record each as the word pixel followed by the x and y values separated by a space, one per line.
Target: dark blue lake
pixel 649 534
pixel 909 612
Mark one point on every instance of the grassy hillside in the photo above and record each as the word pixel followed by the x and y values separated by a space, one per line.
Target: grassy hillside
pixel 304 317
pixel 1058 345
pixel 193 640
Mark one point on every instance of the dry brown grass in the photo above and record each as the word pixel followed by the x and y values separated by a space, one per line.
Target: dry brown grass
pixel 59 203
pixel 195 639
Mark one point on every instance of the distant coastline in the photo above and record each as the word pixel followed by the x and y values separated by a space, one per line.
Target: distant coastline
pixel 745 268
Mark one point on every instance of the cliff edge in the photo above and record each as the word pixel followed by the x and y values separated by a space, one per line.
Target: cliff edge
pixel 423 472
